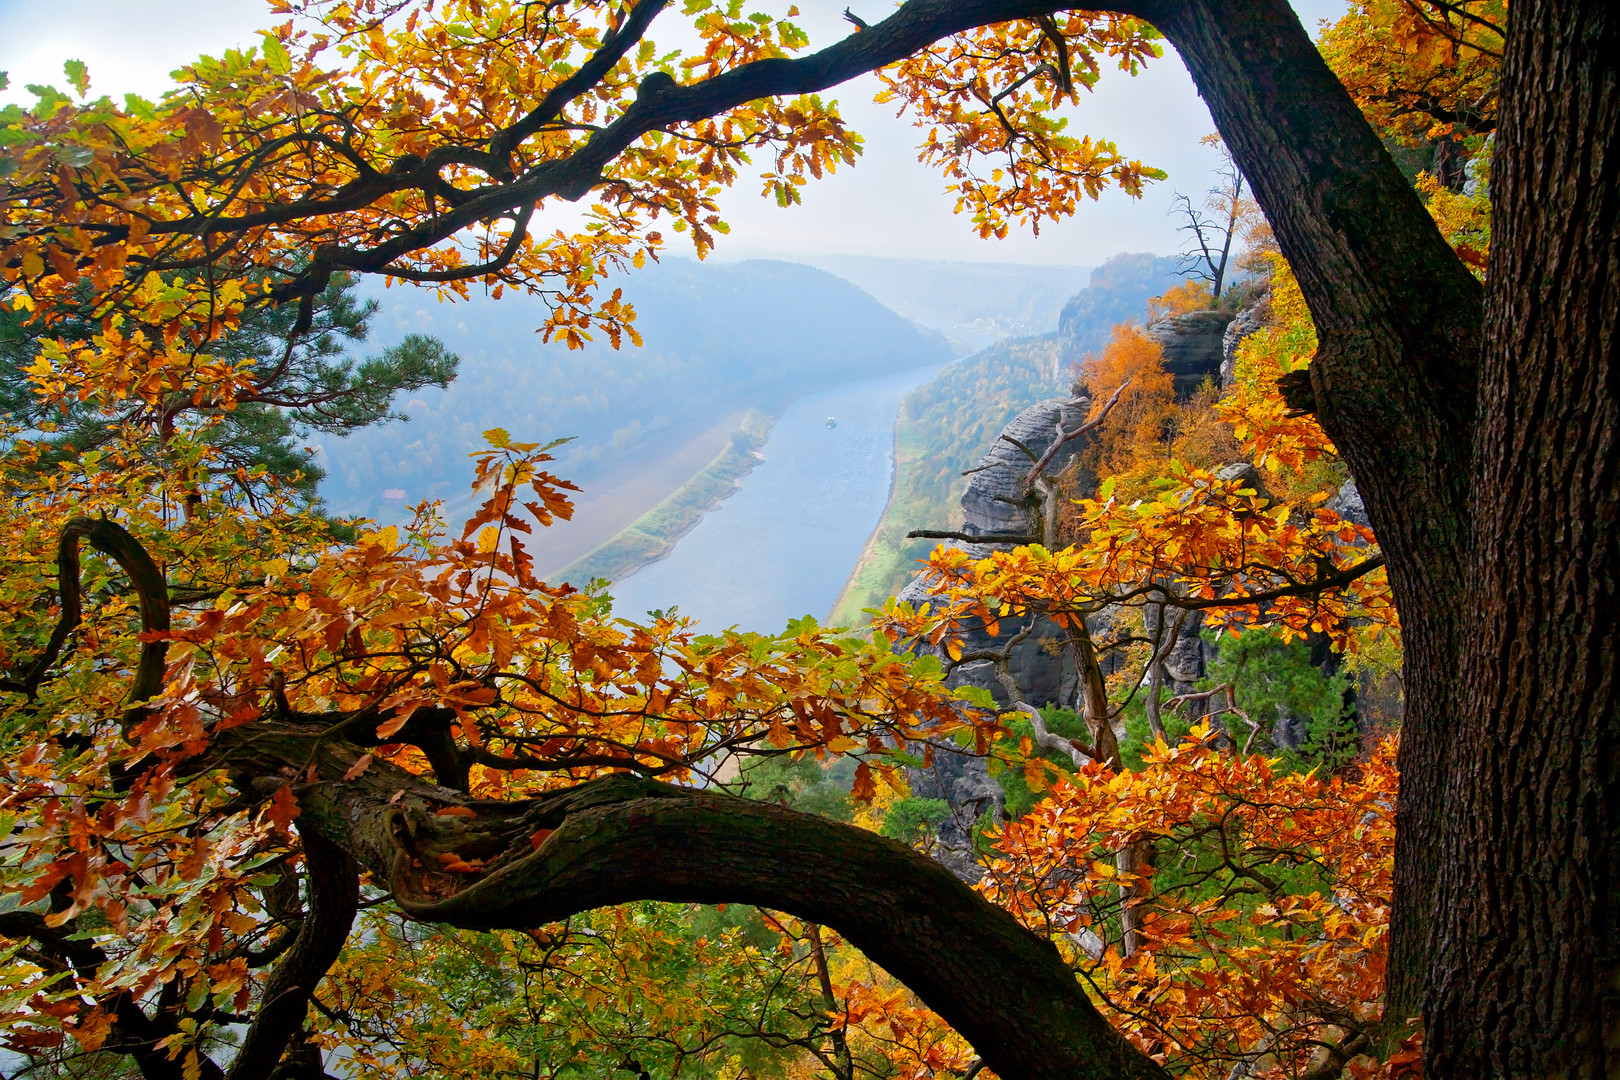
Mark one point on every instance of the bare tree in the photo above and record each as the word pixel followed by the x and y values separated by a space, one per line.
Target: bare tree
pixel 1210 229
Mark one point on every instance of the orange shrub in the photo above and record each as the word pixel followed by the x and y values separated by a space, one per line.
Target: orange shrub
pixel 1188 296
pixel 1134 431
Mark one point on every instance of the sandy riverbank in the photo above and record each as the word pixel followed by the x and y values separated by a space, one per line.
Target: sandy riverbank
pixel 619 496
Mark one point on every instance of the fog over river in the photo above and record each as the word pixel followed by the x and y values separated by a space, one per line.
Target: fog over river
pixel 782 547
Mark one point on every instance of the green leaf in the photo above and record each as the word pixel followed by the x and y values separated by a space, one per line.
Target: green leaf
pixel 78 75
pixel 275 55
pixel 139 106
pixel 976 695
pixel 50 100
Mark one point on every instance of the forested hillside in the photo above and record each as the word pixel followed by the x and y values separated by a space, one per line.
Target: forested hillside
pixel 1117 293
pixel 719 338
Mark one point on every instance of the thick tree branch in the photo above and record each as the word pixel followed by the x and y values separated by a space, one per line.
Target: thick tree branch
pixel 615 45
pixel 622 839
pixel 333 882
pixel 1395 379
pixel 151 592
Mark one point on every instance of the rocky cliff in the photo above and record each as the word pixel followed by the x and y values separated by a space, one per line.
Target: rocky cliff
pixel 996 503
pixel 1194 347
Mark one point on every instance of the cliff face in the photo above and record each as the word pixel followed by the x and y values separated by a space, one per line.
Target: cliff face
pixel 1250 318
pixel 995 500
pixel 1194 346
pixel 996 503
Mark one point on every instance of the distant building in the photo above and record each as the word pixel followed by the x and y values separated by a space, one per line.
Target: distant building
pixel 394 494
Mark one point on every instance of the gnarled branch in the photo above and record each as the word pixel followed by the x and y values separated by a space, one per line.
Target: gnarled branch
pixel 151 592
pixel 621 839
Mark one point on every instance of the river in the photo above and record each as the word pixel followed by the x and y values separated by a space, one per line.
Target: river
pixel 782 547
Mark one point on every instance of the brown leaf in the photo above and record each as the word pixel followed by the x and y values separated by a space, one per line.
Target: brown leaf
pixel 863 789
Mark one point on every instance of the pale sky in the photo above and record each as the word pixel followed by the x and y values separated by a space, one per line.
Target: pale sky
pixel 887 205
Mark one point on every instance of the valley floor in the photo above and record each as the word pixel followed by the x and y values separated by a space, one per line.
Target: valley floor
pixel 621 494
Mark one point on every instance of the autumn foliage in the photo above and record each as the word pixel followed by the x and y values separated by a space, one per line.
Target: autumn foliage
pixel 1136 423
pixel 1264 906
pixel 1421 69
pixel 1248 930
pixel 170 620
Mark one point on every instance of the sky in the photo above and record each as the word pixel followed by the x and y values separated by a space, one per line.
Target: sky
pixel 888 204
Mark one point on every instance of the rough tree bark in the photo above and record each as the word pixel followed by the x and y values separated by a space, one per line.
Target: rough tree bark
pixel 1524 973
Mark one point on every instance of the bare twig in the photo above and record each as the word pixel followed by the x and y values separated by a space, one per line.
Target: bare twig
pixel 1170 634
pixel 1069 436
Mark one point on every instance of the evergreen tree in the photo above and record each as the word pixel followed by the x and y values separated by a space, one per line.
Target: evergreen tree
pixel 302 382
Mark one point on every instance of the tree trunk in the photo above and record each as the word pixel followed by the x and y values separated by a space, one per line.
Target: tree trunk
pixel 1524 975
pixel 1398 319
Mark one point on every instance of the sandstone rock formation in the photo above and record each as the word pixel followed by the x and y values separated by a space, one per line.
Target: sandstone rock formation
pixel 1193 347
pixel 997 503
pixel 1346 502
pixel 1251 317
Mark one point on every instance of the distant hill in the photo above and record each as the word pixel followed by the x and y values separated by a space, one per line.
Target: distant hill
pixel 719 338
pixel 1117 293
pixel 976 303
